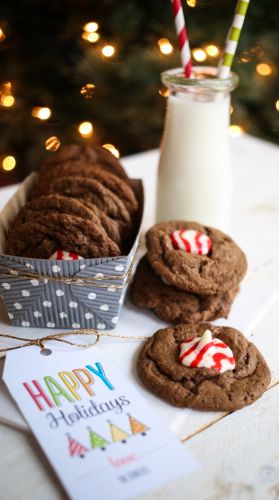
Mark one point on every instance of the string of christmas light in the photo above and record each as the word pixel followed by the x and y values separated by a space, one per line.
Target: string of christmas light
pixel 207 53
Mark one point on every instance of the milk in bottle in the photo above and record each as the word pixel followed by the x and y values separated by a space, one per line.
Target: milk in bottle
pixel 194 176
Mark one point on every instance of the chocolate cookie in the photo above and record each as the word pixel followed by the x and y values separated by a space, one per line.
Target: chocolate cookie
pixel 118 186
pixel 89 153
pixel 110 226
pixel 62 204
pixel 174 305
pixel 161 371
pixel 222 269
pixel 54 222
pixel 92 191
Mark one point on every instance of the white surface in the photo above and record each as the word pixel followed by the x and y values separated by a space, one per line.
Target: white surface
pixel 255 219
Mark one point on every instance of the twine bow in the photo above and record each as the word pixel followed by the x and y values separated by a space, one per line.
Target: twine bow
pixel 59 337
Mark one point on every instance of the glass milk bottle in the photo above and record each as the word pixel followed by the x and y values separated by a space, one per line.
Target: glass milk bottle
pixel 194 176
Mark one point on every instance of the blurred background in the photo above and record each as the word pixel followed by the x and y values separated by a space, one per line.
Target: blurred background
pixel 90 71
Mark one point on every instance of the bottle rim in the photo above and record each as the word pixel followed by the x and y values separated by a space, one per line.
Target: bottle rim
pixel 175 79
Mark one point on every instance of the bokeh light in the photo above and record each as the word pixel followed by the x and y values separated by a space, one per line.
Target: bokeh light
pixel 264 69
pixel 199 55
pixel 85 129
pixel 90 37
pixel 212 50
pixel 108 50
pixel 8 163
pixel 42 113
pixel 236 130
pixel 192 3
pixel 164 92
pixel 91 27
pixel 277 105
pixel 165 46
pixel 52 143
pixel 2 35
pixel 112 149
pixel 7 100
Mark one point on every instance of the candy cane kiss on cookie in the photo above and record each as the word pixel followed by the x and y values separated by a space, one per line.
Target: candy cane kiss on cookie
pixel 191 241
pixel 63 255
pixel 206 352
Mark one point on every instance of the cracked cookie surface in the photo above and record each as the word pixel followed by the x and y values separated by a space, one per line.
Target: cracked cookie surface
pixel 202 388
pixel 90 153
pixel 52 222
pixel 118 186
pixel 174 305
pixel 222 269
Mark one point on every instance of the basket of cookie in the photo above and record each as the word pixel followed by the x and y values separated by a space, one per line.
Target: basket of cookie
pixel 68 238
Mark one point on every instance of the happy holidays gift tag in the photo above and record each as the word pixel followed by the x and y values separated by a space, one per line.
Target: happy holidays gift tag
pixel 97 431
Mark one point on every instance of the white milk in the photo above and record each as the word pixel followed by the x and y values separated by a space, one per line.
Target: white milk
pixel 195 180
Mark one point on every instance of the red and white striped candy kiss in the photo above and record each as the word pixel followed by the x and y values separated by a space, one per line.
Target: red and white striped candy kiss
pixel 63 255
pixel 191 241
pixel 207 352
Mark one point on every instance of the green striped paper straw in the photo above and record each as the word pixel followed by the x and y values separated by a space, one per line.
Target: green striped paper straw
pixel 232 39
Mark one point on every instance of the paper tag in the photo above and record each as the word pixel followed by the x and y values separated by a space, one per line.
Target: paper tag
pixel 100 435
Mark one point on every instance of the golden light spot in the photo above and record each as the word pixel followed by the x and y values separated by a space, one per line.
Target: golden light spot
pixel 90 37
pixel 87 90
pixel 85 129
pixel 199 55
pixel 7 100
pixel 235 130
pixel 52 143
pixel 2 35
pixel 164 92
pixel 231 109
pixel 212 50
pixel 112 149
pixel 264 69
pixel 192 3
pixel 91 27
pixel 108 50
pixel 165 46
pixel 277 105
pixel 41 113
pixel 9 163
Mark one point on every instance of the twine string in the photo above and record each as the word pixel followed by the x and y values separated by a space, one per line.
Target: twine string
pixel 74 280
pixel 59 337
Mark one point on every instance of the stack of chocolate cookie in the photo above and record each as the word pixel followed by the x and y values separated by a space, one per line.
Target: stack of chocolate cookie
pixel 190 272
pixel 83 203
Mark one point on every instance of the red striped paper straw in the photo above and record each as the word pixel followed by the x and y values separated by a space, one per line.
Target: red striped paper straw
pixel 182 36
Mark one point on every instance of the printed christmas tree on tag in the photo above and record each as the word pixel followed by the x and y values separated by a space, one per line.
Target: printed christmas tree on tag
pixel 96 440
pixel 137 427
pixel 76 449
pixel 117 434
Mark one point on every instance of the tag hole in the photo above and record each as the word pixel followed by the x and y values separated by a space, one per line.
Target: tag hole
pixel 45 352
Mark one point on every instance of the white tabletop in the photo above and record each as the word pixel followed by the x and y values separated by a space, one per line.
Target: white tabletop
pixel 237 452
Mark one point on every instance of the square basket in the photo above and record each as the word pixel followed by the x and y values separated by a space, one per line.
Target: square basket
pixel 41 293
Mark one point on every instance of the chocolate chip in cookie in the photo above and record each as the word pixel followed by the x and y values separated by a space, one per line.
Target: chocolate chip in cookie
pixel 211 380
